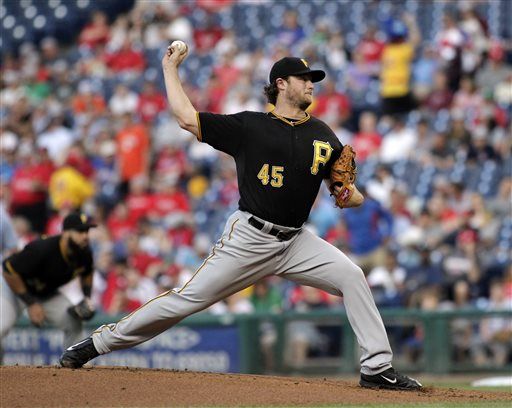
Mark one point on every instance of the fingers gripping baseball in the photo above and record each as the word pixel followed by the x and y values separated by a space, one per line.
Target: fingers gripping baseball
pixel 175 54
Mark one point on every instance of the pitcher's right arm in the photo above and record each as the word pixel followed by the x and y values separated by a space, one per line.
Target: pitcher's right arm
pixel 180 104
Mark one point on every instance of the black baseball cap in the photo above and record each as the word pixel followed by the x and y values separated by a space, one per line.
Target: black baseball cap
pixel 294 66
pixel 78 222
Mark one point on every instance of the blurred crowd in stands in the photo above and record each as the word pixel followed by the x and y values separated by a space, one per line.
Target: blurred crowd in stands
pixel 86 126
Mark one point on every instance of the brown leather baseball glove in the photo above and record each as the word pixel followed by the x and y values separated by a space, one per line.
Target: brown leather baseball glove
pixel 343 177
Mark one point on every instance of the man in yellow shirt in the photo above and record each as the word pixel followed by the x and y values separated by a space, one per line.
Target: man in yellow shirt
pixel 396 68
pixel 69 188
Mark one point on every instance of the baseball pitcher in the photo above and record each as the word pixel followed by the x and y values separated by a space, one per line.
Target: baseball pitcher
pixel 281 159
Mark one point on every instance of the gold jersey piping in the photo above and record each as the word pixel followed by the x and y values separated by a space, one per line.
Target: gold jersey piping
pixel 282 118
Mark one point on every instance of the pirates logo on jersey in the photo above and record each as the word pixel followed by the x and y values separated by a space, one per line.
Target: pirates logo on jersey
pixel 322 154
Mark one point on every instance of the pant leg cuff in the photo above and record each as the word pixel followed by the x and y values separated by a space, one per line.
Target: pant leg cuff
pixel 99 345
pixel 373 371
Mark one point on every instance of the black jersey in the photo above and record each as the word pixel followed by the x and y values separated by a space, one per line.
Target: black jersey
pixel 44 265
pixel 280 164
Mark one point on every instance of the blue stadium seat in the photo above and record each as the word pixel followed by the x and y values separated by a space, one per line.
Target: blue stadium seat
pixel 472 177
pixel 505 235
pixel 489 178
pixel 399 169
pixel 366 170
pixel 424 182
pixel 30 21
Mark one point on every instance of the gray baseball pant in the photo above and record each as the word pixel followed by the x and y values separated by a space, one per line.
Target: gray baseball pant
pixel 242 256
pixel 55 309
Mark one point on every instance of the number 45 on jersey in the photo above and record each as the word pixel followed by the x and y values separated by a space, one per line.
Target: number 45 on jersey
pixel 273 174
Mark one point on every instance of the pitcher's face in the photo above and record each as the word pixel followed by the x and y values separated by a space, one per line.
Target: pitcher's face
pixel 299 91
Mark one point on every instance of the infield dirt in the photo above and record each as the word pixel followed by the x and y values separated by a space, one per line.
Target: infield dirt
pixel 134 387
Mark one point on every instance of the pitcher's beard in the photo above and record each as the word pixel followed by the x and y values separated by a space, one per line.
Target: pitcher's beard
pixel 304 105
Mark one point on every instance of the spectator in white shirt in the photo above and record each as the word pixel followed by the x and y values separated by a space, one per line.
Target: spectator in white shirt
pixel 123 101
pixel 57 139
pixel 387 281
pixel 399 143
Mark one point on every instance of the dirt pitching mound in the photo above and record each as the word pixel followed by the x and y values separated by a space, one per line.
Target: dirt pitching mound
pixel 134 387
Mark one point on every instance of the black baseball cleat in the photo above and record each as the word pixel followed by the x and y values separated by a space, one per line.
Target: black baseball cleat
pixel 78 354
pixel 391 380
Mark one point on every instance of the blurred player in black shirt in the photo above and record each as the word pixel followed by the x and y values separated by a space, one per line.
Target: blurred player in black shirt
pixel 32 277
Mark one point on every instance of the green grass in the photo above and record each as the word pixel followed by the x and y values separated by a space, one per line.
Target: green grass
pixel 468 387
pixel 471 388
pixel 461 386
pixel 433 405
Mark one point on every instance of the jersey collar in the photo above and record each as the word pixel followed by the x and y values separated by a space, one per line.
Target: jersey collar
pixel 289 122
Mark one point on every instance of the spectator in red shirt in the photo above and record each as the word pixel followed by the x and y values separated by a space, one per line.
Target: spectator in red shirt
pixel 168 198
pixel 367 141
pixel 78 159
pixel 126 60
pixel 29 188
pixel 398 207
pixel 139 200
pixel 133 150
pixel 467 98
pixel 171 161
pixel 120 223
pixel 138 258
pixel 213 5
pixel 151 102
pixel 441 96
pixel 227 72
pixel 115 282
pixel 126 289
pixel 53 226
pixel 449 41
pixel 87 103
pixel 172 206
pixel 338 235
pixel 214 95
pixel 96 32
pixel 371 49
pixel 332 106
pixel 207 35
pixel 315 298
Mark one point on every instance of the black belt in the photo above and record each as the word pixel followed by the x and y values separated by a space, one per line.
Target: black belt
pixel 281 235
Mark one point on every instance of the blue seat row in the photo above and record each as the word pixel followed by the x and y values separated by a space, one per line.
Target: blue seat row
pixel 37 17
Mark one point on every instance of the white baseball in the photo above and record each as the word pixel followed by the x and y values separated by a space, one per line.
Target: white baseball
pixel 179 46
